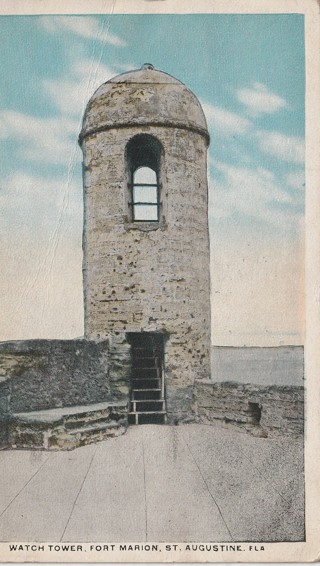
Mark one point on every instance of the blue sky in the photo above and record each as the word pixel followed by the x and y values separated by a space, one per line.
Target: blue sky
pixel 247 71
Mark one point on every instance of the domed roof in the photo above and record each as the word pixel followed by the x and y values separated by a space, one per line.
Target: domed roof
pixel 143 97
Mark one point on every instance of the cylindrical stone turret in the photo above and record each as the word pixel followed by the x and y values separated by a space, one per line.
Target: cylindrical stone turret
pixel 146 238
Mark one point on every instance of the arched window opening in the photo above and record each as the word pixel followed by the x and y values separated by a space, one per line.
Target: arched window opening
pixel 143 155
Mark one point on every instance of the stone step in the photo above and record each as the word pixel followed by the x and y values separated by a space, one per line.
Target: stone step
pixel 145 372
pixel 140 394
pixel 151 383
pixel 75 423
pixel 67 427
pixel 142 359
pixel 94 428
pixel 149 417
pixel 147 412
pixel 145 363
pixel 145 405
pixel 142 353
pixel 56 414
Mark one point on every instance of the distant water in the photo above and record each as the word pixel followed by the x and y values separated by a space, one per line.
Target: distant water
pixel 261 366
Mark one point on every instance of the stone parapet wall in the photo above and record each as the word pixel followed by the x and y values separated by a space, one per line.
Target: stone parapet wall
pixel 37 375
pixel 263 411
pixel 41 378
pixel 46 374
pixel 179 404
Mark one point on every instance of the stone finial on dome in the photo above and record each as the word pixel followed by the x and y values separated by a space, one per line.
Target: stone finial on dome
pixel 147 67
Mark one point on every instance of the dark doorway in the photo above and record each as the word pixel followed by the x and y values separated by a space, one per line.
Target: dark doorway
pixel 254 413
pixel 147 402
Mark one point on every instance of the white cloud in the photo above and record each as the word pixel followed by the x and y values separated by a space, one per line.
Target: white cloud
pixel 46 140
pixel 252 193
pixel 36 199
pixel 70 94
pixel 53 141
pixel 85 26
pixel 40 244
pixel 287 148
pixel 260 100
pixel 296 180
pixel 223 122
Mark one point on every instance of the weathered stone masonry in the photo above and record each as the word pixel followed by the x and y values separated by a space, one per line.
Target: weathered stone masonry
pixel 262 411
pixel 62 393
pixel 144 276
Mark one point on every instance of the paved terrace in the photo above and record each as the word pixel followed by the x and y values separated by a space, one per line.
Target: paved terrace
pixel 156 483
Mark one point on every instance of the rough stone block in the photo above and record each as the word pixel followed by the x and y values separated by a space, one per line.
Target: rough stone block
pixel 273 410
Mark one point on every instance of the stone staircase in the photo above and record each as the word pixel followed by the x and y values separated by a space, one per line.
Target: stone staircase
pixel 68 427
pixel 147 403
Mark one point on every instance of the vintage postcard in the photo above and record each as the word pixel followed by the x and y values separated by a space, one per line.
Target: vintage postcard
pixel 160 236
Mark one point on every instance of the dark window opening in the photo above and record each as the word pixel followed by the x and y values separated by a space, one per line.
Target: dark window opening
pixel 254 413
pixel 143 157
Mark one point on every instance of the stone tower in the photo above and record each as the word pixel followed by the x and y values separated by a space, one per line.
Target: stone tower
pixel 146 240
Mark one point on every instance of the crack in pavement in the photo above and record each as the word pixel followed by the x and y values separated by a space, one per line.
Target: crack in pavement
pixel 211 495
pixel 78 494
pixel 145 487
pixel 25 485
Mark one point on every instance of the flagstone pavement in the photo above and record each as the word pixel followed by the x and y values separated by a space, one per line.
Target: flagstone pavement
pixel 156 483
